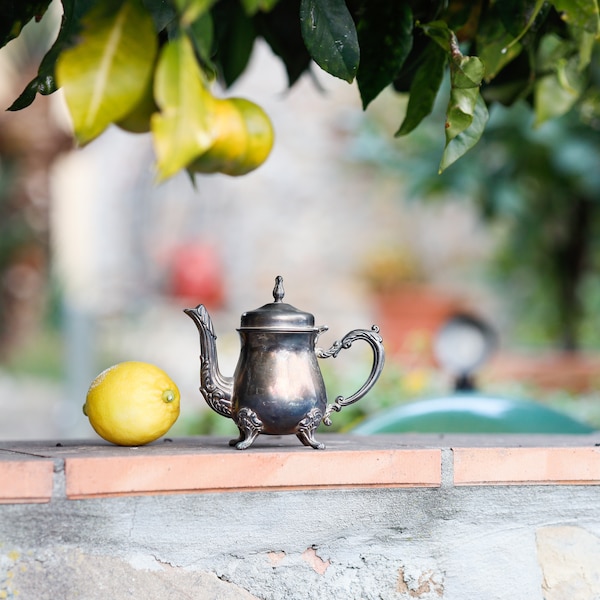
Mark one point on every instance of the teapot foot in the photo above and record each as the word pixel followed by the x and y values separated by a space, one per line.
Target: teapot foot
pixel 307 427
pixel 244 441
pixel 306 437
pixel 249 425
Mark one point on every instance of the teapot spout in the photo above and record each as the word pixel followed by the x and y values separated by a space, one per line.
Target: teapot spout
pixel 214 387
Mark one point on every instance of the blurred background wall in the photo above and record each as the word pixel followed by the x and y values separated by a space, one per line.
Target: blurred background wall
pixel 106 259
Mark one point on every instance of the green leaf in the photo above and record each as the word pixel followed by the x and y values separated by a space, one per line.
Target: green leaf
pixel 234 35
pixel 191 10
pixel 385 37
pixel 162 12
pixel 466 71
pixel 463 142
pixel 105 74
pixel 440 33
pixel 555 94
pixel 27 96
pixel 466 74
pixel 138 119
pixel 586 43
pixel 330 36
pixel 16 14
pixel 492 42
pixel 201 34
pixel 183 129
pixel 590 108
pixel 424 87
pixel 466 114
pixel 551 49
pixel 251 7
pixel 45 81
pixel 532 10
pixel 281 29
pixel 583 14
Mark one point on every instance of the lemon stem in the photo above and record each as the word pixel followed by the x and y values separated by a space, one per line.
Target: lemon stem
pixel 168 396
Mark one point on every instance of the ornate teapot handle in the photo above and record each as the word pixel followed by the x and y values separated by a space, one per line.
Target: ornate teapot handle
pixel 374 340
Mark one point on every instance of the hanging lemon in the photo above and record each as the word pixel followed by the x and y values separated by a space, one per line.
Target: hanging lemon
pixel 132 403
pixel 243 139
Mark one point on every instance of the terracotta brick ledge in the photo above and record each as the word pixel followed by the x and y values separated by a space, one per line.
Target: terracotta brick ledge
pixel 44 471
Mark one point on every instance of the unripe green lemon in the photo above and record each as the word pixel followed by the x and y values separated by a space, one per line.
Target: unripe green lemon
pixel 260 136
pixel 231 140
pixel 243 139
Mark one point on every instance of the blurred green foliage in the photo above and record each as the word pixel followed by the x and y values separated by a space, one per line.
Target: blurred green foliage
pixel 39 357
pixel 538 190
pixel 493 52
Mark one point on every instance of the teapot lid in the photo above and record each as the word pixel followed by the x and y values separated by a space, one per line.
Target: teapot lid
pixel 277 314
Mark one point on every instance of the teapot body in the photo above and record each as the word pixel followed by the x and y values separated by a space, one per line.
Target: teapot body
pixel 277 385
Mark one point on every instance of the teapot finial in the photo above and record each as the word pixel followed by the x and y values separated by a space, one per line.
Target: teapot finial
pixel 278 291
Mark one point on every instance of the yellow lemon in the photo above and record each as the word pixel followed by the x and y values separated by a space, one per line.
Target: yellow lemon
pixel 132 403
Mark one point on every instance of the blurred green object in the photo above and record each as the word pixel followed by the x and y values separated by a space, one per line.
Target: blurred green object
pixel 472 412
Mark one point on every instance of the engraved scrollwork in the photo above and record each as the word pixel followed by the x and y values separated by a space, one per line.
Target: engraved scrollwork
pixel 311 420
pixel 214 387
pixel 332 352
pixel 307 427
pixel 216 397
pixel 373 338
pixel 250 426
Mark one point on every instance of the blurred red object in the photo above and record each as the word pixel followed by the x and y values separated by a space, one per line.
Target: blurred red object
pixel 196 275
pixel 411 316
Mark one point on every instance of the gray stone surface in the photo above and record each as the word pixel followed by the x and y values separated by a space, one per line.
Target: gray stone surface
pixel 70 574
pixel 570 560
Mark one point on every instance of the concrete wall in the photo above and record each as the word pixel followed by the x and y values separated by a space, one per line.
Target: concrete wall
pixel 511 543
pixel 455 542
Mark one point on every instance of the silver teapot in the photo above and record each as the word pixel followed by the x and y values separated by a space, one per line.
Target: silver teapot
pixel 277 387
